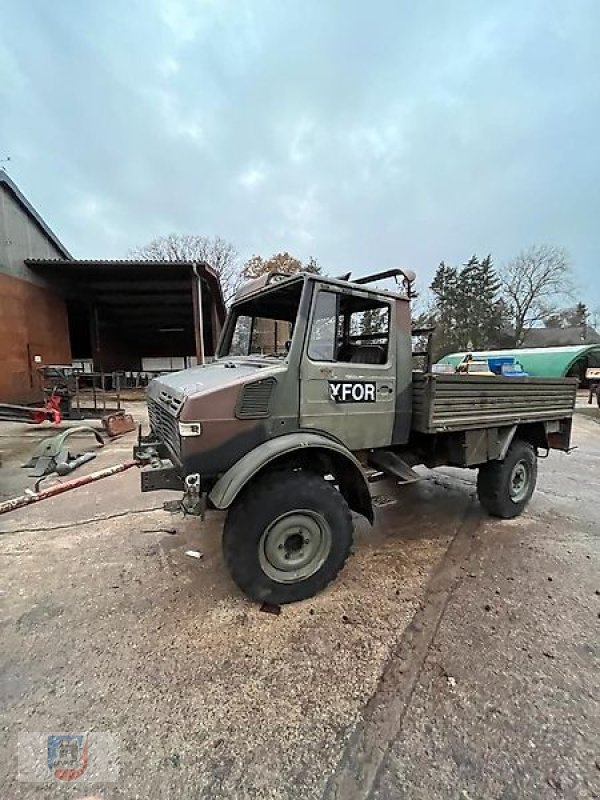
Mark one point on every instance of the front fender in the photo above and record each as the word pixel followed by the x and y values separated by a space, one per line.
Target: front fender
pixel 353 483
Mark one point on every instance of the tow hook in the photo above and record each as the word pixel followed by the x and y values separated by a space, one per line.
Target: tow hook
pixel 193 501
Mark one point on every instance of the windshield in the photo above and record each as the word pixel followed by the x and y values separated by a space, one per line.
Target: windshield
pixel 263 325
pixel 260 336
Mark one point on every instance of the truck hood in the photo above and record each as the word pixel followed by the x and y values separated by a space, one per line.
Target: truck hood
pixel 216 375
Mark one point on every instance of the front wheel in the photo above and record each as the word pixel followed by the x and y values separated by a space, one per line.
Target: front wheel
pixel 287 536
pixel 505 487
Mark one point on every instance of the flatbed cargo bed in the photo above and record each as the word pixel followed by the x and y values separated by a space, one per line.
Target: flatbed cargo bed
pixel 461 402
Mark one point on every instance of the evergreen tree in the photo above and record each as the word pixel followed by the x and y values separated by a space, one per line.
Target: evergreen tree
pixel 445 291
pixel 468 312
pixel 578 316
pixel 370 322
pixel 573 317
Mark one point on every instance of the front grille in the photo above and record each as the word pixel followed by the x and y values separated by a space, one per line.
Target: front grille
pixel 163 424
pixel 170 400
pixel 255 399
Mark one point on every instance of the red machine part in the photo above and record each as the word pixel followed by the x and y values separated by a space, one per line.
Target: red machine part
pixel 50 411
pixel 30 414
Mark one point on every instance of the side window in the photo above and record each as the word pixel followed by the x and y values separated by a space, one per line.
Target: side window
pixel 322 342
pixel 366 332
pixel 350 328
pixel 371 326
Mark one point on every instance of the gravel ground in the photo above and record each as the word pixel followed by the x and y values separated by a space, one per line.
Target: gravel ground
pixel 107 625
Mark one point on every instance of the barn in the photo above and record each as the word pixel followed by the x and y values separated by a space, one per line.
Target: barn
pixel 113 315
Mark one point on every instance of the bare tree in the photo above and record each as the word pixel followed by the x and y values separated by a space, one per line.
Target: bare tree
pixel 280 262
pixel 532 282
pixel 218 253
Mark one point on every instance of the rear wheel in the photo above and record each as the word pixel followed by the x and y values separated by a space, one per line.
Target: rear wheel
pixel 287 536
pixel 505 487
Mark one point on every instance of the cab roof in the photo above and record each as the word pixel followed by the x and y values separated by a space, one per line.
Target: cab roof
pixel 275 280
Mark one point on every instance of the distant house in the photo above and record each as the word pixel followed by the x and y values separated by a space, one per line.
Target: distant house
pixel 559 337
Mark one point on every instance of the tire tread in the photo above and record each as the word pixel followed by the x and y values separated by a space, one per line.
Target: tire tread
pixel 272 490
pixel 492 481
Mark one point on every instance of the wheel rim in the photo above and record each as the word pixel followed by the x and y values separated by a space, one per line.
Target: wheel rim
pixel 519 481
pixel 294 546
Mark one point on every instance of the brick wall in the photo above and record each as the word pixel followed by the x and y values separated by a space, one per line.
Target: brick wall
pixel 33 321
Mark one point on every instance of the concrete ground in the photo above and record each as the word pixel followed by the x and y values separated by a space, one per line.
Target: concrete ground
pixel 497 694
pixel 455 657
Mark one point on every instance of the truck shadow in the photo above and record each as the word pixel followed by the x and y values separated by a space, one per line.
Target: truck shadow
pixel 429 509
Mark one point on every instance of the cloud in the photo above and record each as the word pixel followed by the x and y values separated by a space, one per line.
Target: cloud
pixel 252 177
pixel 302 138
pixel 365 136
pixel 300 216
pixel 168 67
pixel 181 17
pixel 88 209
pixel 178 120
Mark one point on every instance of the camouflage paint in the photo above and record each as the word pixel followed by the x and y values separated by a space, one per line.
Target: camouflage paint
pixel 230 484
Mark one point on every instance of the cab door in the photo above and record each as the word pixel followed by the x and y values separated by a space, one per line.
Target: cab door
pixel 347 375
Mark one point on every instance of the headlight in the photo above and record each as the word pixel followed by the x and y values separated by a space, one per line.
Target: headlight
pixel 190 429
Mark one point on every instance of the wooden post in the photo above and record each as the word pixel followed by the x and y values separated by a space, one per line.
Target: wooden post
pixel 215 326
pixel 198 316
pixel 95 337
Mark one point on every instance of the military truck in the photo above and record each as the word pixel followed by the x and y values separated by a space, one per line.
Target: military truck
pixel 313 391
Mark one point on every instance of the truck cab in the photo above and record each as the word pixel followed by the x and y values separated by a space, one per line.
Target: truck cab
pixel 297 353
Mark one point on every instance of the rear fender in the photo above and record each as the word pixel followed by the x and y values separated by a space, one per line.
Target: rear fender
pixel 298 449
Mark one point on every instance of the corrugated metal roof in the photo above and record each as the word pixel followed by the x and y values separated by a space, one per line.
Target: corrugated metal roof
pixel 541 362
pixel 113 262
pixel 12 187
pixel 75 269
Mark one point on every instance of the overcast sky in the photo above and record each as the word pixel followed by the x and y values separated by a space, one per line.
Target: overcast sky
pixel 366 134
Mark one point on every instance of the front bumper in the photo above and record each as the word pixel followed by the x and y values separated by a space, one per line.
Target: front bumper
pixel 157 469
pixel 160 474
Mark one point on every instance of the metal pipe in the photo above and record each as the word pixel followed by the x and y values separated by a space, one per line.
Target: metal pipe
pixel 59 488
